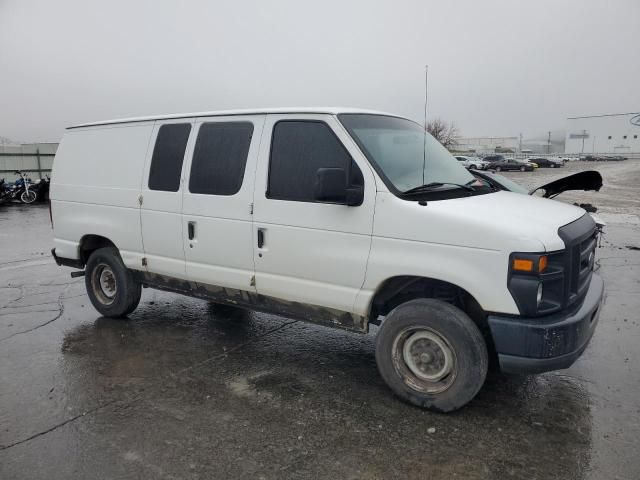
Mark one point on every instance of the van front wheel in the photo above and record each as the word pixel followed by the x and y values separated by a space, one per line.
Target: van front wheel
pixel 110 285
pixel 431 354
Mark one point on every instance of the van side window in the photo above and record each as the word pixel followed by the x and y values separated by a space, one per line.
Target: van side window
pixel 298 150
pixel 220 157
pixel 168 153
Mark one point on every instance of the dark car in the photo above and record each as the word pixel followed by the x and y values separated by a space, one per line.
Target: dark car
pixel 510 164
pixel 493 158
pixel 545 162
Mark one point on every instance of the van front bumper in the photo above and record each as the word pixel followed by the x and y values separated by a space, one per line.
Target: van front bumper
pixel 552 342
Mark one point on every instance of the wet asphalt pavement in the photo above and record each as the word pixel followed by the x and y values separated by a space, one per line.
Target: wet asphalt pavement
pixel 188 390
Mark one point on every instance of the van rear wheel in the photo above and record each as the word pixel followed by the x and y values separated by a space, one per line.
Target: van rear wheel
pixel 110 285
pixel 432 355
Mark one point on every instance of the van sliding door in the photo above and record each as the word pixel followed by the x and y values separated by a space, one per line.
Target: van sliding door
pixel 161 198
pixel 217 204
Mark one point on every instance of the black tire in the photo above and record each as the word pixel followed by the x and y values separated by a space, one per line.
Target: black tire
pixel 472 167
pixel 444 325
pixel 552 165
pixel 118 294
pixel 498 169
pixel 522 169
pixel 28 197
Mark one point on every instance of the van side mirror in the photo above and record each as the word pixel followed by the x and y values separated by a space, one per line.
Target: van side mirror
pixel 331 186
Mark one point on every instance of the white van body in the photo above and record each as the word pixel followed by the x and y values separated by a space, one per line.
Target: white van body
pixel 325 261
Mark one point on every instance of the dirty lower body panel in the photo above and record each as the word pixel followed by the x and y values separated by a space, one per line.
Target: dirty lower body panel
pixel 242 298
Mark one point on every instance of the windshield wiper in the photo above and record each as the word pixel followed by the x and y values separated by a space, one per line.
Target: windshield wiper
pixel 430 186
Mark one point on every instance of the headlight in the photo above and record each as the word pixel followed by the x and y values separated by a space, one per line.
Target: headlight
pixel 536 282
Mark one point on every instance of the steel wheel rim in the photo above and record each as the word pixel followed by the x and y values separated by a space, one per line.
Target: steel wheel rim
pixel 425 360
pixel 427 356
pixel 104 283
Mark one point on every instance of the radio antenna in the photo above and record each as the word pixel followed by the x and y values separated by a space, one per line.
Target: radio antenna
pixel 424 145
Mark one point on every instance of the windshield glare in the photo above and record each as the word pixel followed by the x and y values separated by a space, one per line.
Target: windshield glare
pixel 399 150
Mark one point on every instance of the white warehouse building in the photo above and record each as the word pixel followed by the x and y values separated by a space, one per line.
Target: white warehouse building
pixel 614 134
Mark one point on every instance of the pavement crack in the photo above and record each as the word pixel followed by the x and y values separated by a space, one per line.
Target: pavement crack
pixel 52 284
pixel 20 295
pixel 29 311
pixel 42 303
pixel 139 396
pixel 231 350
pixel 29 305
pixel 55 427
pixel 21 260
pixel 61 299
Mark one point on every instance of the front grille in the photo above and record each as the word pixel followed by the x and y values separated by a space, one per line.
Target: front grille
pixel 580 238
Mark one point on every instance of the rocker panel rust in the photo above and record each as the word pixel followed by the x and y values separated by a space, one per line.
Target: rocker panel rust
pixel 242 298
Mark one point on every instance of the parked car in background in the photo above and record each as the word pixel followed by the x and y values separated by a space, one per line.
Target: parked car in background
pixel 602 158
pixel 559 160
pixel 472 162
pixel 511 164
pixel 543 162
pixel 493 158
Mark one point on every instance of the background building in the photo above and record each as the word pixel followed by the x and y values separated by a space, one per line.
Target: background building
pixel 615 134
pixel 487 144
pixel 516 145
pixel 34 158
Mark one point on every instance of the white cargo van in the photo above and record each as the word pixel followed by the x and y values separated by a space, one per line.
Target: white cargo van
pixel 336 216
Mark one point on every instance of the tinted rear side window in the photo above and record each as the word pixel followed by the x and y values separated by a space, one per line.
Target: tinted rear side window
pixel 220 157
pixel 298 150
pixel 168 153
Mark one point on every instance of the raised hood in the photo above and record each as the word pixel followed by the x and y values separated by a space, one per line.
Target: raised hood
pixel 588 180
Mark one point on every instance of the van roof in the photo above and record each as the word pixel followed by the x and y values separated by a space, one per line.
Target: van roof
pixel 220 113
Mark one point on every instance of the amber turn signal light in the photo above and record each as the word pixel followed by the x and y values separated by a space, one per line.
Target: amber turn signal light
pixel 522 265
pixel 528 265
pixel 542 263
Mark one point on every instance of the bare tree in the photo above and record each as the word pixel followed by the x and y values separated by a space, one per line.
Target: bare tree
pixel 446 133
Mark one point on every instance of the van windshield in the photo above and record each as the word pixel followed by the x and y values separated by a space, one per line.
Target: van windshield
pixel 402 155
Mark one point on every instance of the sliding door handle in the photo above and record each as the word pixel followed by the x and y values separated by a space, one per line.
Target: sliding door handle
pixel 191 229
pixel 260 238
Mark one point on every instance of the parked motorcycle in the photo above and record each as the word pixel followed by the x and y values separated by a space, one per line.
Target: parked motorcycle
pixel 42 188
pixel 21 190
pixel 3 189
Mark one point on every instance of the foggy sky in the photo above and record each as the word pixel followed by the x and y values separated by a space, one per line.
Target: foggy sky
pixel 495 67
